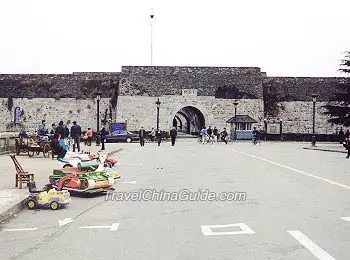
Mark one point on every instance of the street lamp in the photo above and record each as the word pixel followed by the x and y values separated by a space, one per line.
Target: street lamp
pixel 281 136
pixel 98 98
pixel 158 106
pixel 235 103
pixel 313 138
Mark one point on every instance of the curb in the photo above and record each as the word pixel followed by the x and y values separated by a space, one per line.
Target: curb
pixel 324 150
pixel 10 211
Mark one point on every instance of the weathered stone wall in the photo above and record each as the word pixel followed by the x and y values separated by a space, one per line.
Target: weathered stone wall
pixel 300 89
pixel 141 111
pixel 159 81
pixel 297 118
pixel 84 111
pixel 76 85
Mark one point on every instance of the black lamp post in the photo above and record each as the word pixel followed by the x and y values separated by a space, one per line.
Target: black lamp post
pixel 235 133
pixel 98 98
pixel 281 133
pixel 158 106
pixel 313 138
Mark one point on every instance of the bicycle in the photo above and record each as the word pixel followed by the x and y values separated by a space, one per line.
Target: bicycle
pixel 208 139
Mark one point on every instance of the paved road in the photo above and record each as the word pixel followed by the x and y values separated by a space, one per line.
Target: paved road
pixel 295 202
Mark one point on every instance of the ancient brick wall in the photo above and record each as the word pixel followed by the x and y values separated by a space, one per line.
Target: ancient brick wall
pixel 76 85
pixel 209 81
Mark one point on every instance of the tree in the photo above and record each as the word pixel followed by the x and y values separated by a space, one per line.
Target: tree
pixel 339 110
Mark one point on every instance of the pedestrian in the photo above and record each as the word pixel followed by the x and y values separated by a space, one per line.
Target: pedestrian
pixel 75 133
pixel 224 135
pixel 255 136
pixel 210 131
pixel 152 135
pixel 203 133
pixel 103 134
pixel 42 129
pixel 61 132
pixel 88 137
pixel 159 136
pixel 215 133
pixel 347 146
pixel 142 134
pixel 173 135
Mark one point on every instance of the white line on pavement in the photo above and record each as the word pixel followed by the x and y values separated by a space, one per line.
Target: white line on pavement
pixel 346 218
pixel 113 227
pixel 207 229
pixel 127 182
pixel 290 168
pixel 65 221
pixel 311 246
pixel 20 229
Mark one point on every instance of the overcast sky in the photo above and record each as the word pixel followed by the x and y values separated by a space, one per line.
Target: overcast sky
pixel 283 38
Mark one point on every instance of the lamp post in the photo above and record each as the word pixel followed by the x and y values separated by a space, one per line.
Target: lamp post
pixel 98 98
pixel 235 103
pixel 158 106
pixel 281 136
pixel 265 129
pixel 313 138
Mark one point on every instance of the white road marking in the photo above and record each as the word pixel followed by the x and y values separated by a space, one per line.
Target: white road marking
pixel 20 229
pixel 127 182
pixel 207 229
pixel 311 246
pixel 65 221
pixel 130 164
pixel 346 218
pixel 290 168
pixel 113 227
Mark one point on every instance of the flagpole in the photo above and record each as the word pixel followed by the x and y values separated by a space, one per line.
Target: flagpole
pixel 152 16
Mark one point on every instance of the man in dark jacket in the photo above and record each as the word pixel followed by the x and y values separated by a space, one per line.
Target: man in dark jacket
pixel 159 136
pixel 103 134
pixel 173 134
pixel 75 133
pixel 142 135
pixel 215 133
pixel 223 136
pixel 61 132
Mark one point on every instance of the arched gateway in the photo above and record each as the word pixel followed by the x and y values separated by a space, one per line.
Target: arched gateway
pixel 188 118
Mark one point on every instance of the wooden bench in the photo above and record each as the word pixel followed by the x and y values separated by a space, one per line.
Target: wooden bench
pixel 21 175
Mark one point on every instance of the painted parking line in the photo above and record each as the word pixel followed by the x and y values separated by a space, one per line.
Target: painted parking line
pixel 19 229
pixel 126 182
pixel 289 168
pixel 311 246
pixel 346 218
pixel 207 230
pixel 113 227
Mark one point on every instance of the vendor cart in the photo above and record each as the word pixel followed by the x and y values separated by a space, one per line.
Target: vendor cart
pixel 32 146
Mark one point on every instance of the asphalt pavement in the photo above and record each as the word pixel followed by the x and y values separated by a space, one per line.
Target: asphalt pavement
pixel 286 203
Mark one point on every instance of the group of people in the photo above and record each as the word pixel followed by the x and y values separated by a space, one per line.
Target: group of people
pixel 156 135
pixel 60 135
pixel 207 134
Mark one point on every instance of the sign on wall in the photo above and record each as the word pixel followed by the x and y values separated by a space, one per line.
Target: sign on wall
pixel 273 128
pixel 17 115
pixel 189 92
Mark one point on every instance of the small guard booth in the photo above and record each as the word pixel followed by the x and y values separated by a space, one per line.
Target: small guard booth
pixel 245 125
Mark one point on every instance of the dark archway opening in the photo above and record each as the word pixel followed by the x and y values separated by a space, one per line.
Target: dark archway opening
pixel 189 120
